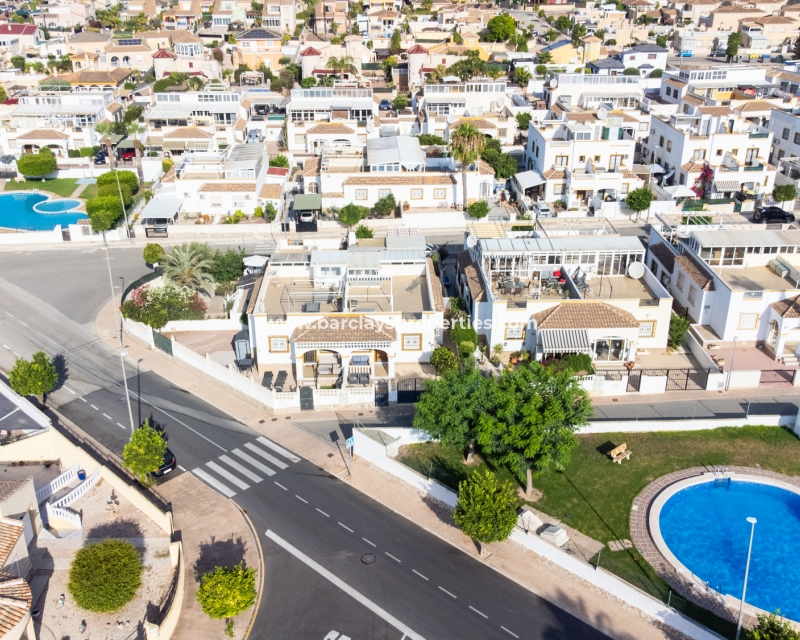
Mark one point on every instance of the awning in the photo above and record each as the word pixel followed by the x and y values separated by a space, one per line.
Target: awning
pixel 153 141
pixel 655 168
pixel 126 144
pixel 680 191
pixel 174 145
pixel 308 202
pixel 255 262
pixel 529 179
pixel 162 207
pixel 565 341
pixel 727 185
pixel 197 145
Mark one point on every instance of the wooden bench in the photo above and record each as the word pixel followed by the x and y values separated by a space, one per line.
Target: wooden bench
pixel 620 453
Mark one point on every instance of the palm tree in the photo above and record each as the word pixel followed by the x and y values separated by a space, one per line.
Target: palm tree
pixel 195 84
pixel 187 266
pixel 466 145
pixel 227 73
pixel 135 130
pixel 522 76
pixel 427 4
pixel 342 65
pixel 103 130
pixel 494 72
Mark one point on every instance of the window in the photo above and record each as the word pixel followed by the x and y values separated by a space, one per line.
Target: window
pixel 682 178
pixel 699 154
pixel 502 133
pixel 581 158
pixel 382 193
pixel 361 194
pixel 216 201
pixel 661 141
pixel 797 138
pixel 597 158
pixel 561 161
pixel 416 194
pixel 359 360
pixel 651 56
pixel 300 139
pixel 558 190
pixel 439 194
pixel 515 331
pixel 647 328
pixel 681 281
pixel 719 152
pixel 412 342
pixel 279 344
pixel 625 187
pixel 785 134
pixel 692 295
pixel 748 320
pixel 734 152
pixel 669 146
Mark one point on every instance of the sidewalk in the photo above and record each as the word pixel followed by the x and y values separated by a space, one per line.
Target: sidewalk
pixel 508 559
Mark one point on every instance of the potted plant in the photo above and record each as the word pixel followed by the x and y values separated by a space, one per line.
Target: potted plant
pixel 514 357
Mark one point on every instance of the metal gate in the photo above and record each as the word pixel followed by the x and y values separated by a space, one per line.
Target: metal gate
pixel 162 342
pixel 410 390
pixel 777 377
pixel 381 394
pixel 306 399
pixel 634 380
pixel 687 379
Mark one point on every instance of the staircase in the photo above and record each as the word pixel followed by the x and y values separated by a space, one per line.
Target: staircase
pixel 61 521
pixel 791 360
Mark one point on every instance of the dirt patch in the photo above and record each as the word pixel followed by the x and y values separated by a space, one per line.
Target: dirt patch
pixel 535 495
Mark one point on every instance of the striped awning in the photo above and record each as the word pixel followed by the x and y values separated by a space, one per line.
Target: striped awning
pixel 174 145
pixel 197 145
pixel 565 341
pixel 153 141
pixel 727 185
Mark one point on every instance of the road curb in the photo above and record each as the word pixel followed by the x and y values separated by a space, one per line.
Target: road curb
pixel 257 605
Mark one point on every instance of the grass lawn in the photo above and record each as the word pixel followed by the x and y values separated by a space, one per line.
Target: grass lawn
pixel 60 186
pixel 89 191
pixel 594 495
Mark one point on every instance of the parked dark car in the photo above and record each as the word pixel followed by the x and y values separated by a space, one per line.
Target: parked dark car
pixel 261 109
pixel 170 462
pixel 772 214
pixel 385 105
pixel 100 158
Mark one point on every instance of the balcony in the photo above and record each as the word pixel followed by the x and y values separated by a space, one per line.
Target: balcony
pixel 758 135
pixel 754 167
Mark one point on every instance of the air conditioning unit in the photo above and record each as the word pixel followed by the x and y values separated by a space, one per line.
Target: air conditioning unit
pixel 777 268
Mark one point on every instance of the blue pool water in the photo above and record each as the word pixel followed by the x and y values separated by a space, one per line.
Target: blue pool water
pixel 705 527
pixel 17 212
pixel 56 206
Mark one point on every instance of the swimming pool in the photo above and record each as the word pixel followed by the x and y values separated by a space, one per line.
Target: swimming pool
pixel 704 527
pixel 22 211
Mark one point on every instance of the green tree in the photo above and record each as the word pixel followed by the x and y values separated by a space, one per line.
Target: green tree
pixel 400 103
pixel 772 627
pixel 522 44
pixel 535 414
pixel 34 377
pixel 37 165
pixel 104 577
pixel 386 205
pixel 309 82
pixel 450 408
pixel 631 71
pixel 661 41
pixel 500 28
pixel 350 214
pixel 639 199
pixel 545 57
pixel 678 326
pixel 279 161
pixel 270 212
pixel 551 35
pixel 795 50
pixel 426 139
pixel 656 73
pixel 466 145
pixel 522 76
pixel 444 360
pixel 3 96
pixel 563 23
pixel 103 212
pixel 113 191
pixel 345 64
pixel 732 50
pixel 396 43
pixel 186 265
pixel 227 266
pixel 363 232
pixel 485 511
pixel 784 192
pixel 523 120
pixel 611 42
pixel 153 253
pixel 578 32
pixel 133 113
pixel 125 177
pixel 18 62
pixel 504 164
pixel 144 454
pixel 225 593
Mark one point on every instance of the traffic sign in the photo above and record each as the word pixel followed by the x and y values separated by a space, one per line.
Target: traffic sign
pixel 350 442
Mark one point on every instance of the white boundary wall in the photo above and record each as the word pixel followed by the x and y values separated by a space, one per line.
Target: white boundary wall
pixel 645 426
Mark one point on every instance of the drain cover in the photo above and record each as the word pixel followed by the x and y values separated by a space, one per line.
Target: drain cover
pixel 369 558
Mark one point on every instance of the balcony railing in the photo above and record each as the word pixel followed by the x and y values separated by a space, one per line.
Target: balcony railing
pixel 755 167
pixel 758 135
pixel 649 302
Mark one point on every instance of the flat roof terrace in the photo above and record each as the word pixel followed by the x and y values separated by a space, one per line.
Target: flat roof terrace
pixel 754 279
pixel 599 288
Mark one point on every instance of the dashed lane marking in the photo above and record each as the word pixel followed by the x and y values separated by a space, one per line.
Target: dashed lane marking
pixel 281 486
pixel 478 612
pixel 509 632
pixel 105 415
pixel 300 499
pixel 93 407
pixel 419 574
pixel 447 592
pixel 368 542
pixel 70 390
pixel 392 557
pixel 344 526
pixel 323 513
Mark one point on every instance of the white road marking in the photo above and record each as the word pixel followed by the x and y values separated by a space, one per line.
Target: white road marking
pixel 323 513
pixel 419 574
pixel 286 454
pixel 93 407
pixel 8 314
pixel 346 588
pixel 253 462
pixel 181 468
pixel 22 323
pixel 16 354
pixel 300 499
pixel 478 612
pixel 447 592
pixel 107 416
pixel 7 347
pixel 243 470
pixel 509 632
pixel 368 542
pixel 278 463
pixel 83 399
pixel 344 526
pixel 70 390
pixel 227 475
pixel 214 482
pixel 51 340
pixel 281 486
pixel 391 556
pixel 121 425
pixel 9 413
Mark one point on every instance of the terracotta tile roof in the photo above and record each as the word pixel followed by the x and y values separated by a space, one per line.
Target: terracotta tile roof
pixel 311 51
pixel 241 123
pixel 664 255
pixel 311 168
pixel 10 487
pixel 345 329
pixel 15 602
pixel 696 272
pixel 169 176
pixel 693 100
pixel 417 48
pixel 582 117
pixel 692 166
pixel 478 123
pixel 484 168
pixel 436 286
pixel 43 134
pixel 123 48
pixel 245 104
pixel 555 174
pixel 474 281
pixel 627 173
pixel 227 187
pixel 715 111
pixel 163 54
pixel 788 307
pixel 115 76
pixel 185 133
pixel 183 36
pixel 626 117
pixel 418 179
pixel 333 194
pixel 331 128
pixel 584 315
pixel 755 105
pixel 10 531
pixel 271 191
pixel 773 20
pixel 735 8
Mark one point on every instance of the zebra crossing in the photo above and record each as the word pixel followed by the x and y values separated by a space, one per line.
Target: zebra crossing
pixel 236 472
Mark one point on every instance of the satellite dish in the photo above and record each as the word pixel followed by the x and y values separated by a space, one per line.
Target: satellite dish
pixel 602 113
pixel 500 102
pixel 635 270
pixel 580 49
pixel 471 241
pixel 553 83
pixel 451 118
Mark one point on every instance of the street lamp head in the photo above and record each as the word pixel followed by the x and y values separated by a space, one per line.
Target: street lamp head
pixel 752 520
pixel 122 354
pixel 735 339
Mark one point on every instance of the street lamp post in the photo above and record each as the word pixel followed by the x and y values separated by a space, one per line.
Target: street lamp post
pixel 113 295
pixel 752 522
pixel 122 355
pixel 733 357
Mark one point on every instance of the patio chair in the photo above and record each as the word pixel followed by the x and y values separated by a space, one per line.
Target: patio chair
pixel 352 378
pixel 363 378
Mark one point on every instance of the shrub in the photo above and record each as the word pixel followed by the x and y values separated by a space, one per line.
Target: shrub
pixel 153 253
pixel 350 214
pixel 88 152
pixel 279 161
pixel 103 211
pixel 157 306
pixel 444 360
pixel 73 153
pixel 466 348
pixel 363 232
pixel 37 165
pixel 678 326
pixel 125 178
pixel 225 289
pixel 463 333
pixel 485 511
pixel 426 139
pixel 113 191
pixel 575 362
pixel 540 70
pixel 784 192
pixel 105 576
pixel 270 212
pixel 166 164
pixel 386 205
pixel 656 73
pixel 400 102
pixel 479 209
pixel 227 266
pixel 631 71
pixel 225 593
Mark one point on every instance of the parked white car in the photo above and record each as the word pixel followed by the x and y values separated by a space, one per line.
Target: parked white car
pixel 542 210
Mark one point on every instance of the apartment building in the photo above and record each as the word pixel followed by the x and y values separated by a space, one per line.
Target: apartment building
pixel 556 296
pixel 734 148
pixel 589 91
pixel 768 36
pixel 346 318
pixel 64 15
pixel 735 283
pixel 183 15
pixel 585 157
pixel 314 59
pixel 785 129
pixel 259 46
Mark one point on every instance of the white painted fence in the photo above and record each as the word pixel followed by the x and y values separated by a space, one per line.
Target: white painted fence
pixel 67 515
pixel 646 426
pixel 213 324
pixel 139 330
pixel 81 489
pixel 53 486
